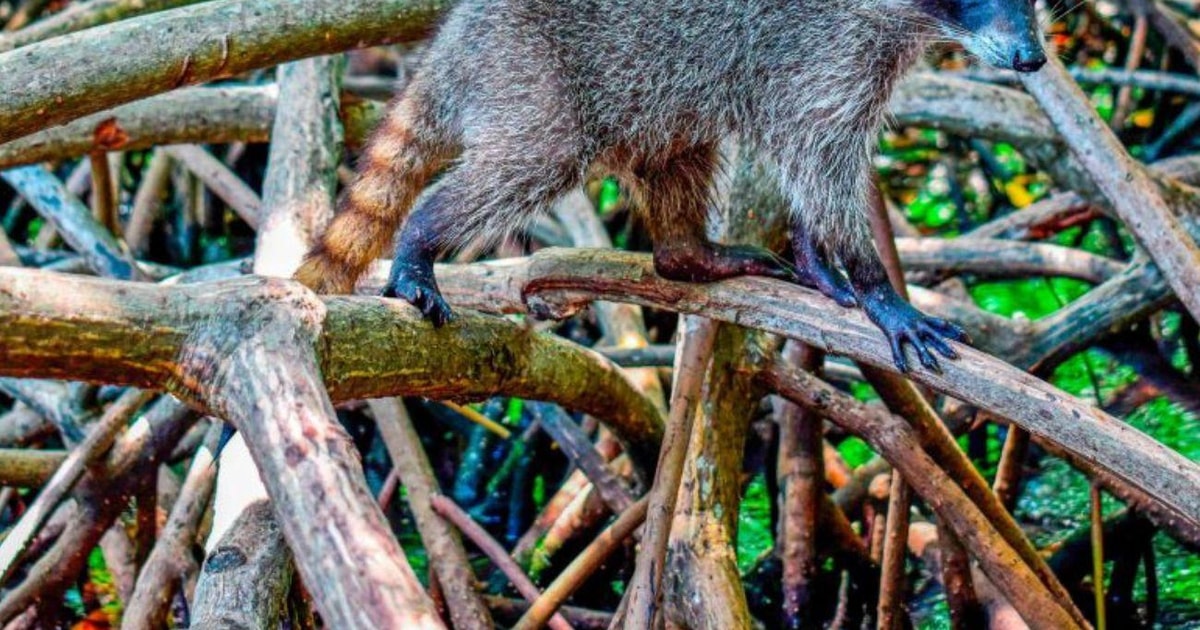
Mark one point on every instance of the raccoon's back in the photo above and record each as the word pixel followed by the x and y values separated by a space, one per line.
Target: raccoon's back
pixel 626 67
pixel 644 68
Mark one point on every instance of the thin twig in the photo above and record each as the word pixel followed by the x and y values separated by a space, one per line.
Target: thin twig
pixel 895 540
pixel 1097 518
pixel 583 566
pixel 579 449
pixel 480 419
pixel 450 511
pixel 147 200
pixel 447 558
pixel 891 579
pixel 1011 467
pixel 900 444
pixel 219 179
pixel 149 605
pixel 93 446
pixel 801 481
pixel 104 198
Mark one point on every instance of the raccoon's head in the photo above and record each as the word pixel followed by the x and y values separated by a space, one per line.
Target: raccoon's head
pixel 1002 33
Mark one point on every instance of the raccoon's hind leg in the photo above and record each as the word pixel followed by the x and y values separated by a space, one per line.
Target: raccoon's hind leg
pixel 476 197
pixel 417 248
pixel 674 193
pixel 403 154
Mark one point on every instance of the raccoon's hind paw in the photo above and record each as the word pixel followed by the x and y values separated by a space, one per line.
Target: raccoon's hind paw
pixel 415 284
pixel 710 262
pixel 903 324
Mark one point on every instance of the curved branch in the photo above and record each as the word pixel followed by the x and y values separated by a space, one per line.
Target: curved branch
pixel 77 17
pixel 556 281
pixel 171 556
pixel 368 348
pixel 61 79
pixel 1004 258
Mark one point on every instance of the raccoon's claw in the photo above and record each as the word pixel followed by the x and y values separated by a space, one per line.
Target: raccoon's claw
pixel 902 324
pixel 417 286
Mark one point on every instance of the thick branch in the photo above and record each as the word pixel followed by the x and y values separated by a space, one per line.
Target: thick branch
pixel 369 348
pixel 79 16
pixel 256 367
pixel 645 598
pixel 702 583
pixel 558 281
pixel 1134 194
pixel 63 78
pixel 238 586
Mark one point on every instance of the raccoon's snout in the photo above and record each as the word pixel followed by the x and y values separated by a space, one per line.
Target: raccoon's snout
pixel 1028 60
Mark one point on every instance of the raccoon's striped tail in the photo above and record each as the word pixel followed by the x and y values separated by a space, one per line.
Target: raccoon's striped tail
pixel 396 164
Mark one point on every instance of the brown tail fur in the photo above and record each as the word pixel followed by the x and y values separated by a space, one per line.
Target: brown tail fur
pixel 397 163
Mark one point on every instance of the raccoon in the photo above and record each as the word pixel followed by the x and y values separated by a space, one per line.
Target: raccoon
pixel 518 101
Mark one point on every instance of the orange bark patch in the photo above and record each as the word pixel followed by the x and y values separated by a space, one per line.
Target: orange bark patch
pixel 109 135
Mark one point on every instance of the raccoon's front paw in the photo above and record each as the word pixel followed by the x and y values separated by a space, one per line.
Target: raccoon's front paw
pixel 415 284
pixel 902 324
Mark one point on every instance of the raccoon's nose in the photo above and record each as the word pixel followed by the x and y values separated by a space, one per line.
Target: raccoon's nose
pixel 1028 61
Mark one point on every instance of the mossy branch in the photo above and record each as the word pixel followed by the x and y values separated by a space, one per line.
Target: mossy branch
pixel 60 79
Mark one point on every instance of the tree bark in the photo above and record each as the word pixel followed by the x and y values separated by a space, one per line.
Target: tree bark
pixel 60 79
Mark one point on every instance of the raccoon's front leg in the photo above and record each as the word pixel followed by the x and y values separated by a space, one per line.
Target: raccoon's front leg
pixel 827 184
pixel 815 269
pixel 898 320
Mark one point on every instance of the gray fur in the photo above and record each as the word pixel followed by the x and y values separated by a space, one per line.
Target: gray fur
pixel 533 94
pixel 536 92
